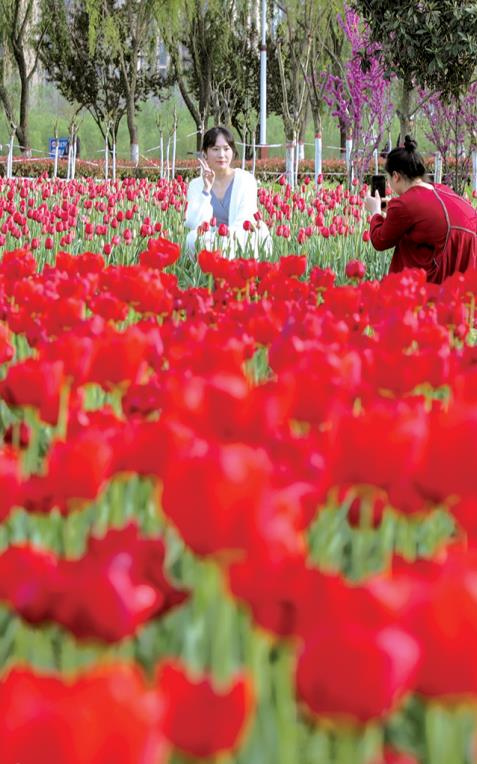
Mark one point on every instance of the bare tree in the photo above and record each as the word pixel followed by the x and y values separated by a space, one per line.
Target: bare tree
pixel 21 46
pixel 197 41
pixel 130 29
pixel 293 49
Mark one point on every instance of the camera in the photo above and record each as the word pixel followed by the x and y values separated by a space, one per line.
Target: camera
pixel 378 183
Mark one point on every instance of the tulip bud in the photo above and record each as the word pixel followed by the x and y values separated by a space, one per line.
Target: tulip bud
pixel 355 269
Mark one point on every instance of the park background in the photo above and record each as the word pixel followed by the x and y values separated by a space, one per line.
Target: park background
pixel 143 74
pixel 243 490
pixel 50 108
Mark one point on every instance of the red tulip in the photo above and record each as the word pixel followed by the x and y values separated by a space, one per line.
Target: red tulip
pixel 392 756
pixel 79 467
pixel 118 357
pixel 105 716
pixel 9 481
pixel 198 719
pixel 37 383
pixel 448 467
pixel 355 269
pixel 216 508
pixel 160 253
pixel 437 602
pixel 125 572
pixel 18 433
pixel 292 265
pixel 17 264
pixel 348 671
pixel 280 592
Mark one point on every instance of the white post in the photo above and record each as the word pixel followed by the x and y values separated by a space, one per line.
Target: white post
pixel 70 158
pixel 106 156
pixel 437 167
pixel 297 161
pixel 73 158
pixel 263 76
pixel 290 163
pixel 349 149
pixel 376 162
pixel 113 161
pixel 244 148
pixel 55 163
pixel 10 157
pixel 474 170
pixel 318 156
pixel 167 157
pixel 135 153
pixel 254 152
pixel 174 146
pixel 161 153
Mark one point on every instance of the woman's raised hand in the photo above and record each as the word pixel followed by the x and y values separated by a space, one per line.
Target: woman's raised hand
pixel 208 175
pixel 373 203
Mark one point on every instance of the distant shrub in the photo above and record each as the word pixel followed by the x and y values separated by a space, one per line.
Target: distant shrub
pixel 266 170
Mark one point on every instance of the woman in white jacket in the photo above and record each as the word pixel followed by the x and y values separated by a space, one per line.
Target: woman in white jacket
pixel 227 197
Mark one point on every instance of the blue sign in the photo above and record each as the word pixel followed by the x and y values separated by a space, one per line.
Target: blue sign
pixel 62 147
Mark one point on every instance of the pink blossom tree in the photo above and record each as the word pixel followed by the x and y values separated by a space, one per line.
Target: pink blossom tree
pixel 360 96
pixel 452 129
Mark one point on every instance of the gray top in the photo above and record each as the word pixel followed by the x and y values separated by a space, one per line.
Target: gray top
pixel 221 207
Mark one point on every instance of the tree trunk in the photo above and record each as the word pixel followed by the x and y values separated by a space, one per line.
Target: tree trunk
pixel 7 105
pixel 290 157
pixel 318 143
pixel 301 135
pixel 404 112
pixel 22 130
pixel 343 136
pixel 189 103
pixel 132 127
pixel 22 138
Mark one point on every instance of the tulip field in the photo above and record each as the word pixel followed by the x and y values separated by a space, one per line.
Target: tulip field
pixel 238 498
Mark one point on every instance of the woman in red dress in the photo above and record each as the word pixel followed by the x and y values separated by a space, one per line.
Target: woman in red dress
pixel 429 225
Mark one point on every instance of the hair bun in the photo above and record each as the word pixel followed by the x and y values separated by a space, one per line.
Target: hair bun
pixel 409 144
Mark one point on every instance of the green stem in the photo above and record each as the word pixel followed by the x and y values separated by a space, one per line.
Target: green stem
pixel 286 709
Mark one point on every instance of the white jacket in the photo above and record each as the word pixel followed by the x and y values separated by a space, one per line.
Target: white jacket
pixel 243 202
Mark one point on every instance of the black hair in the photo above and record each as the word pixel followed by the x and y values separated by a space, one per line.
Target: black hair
pixel 406 160
pixel 210 138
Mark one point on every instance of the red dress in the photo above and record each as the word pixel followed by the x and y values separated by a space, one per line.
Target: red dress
pixel 434 229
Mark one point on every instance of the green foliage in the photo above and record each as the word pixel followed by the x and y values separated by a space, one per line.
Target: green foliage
pixel 92 10
pixel 308 42
pixel 50 108
pixel 214 49
pixel 97 77
pixel 431 43
pixel 21 41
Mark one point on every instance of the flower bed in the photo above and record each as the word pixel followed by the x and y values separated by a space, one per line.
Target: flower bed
pixel 266 170
pixel 236 497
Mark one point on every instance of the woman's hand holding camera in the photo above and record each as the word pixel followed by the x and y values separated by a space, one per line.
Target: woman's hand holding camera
pixel 374 204
pixel 208 175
